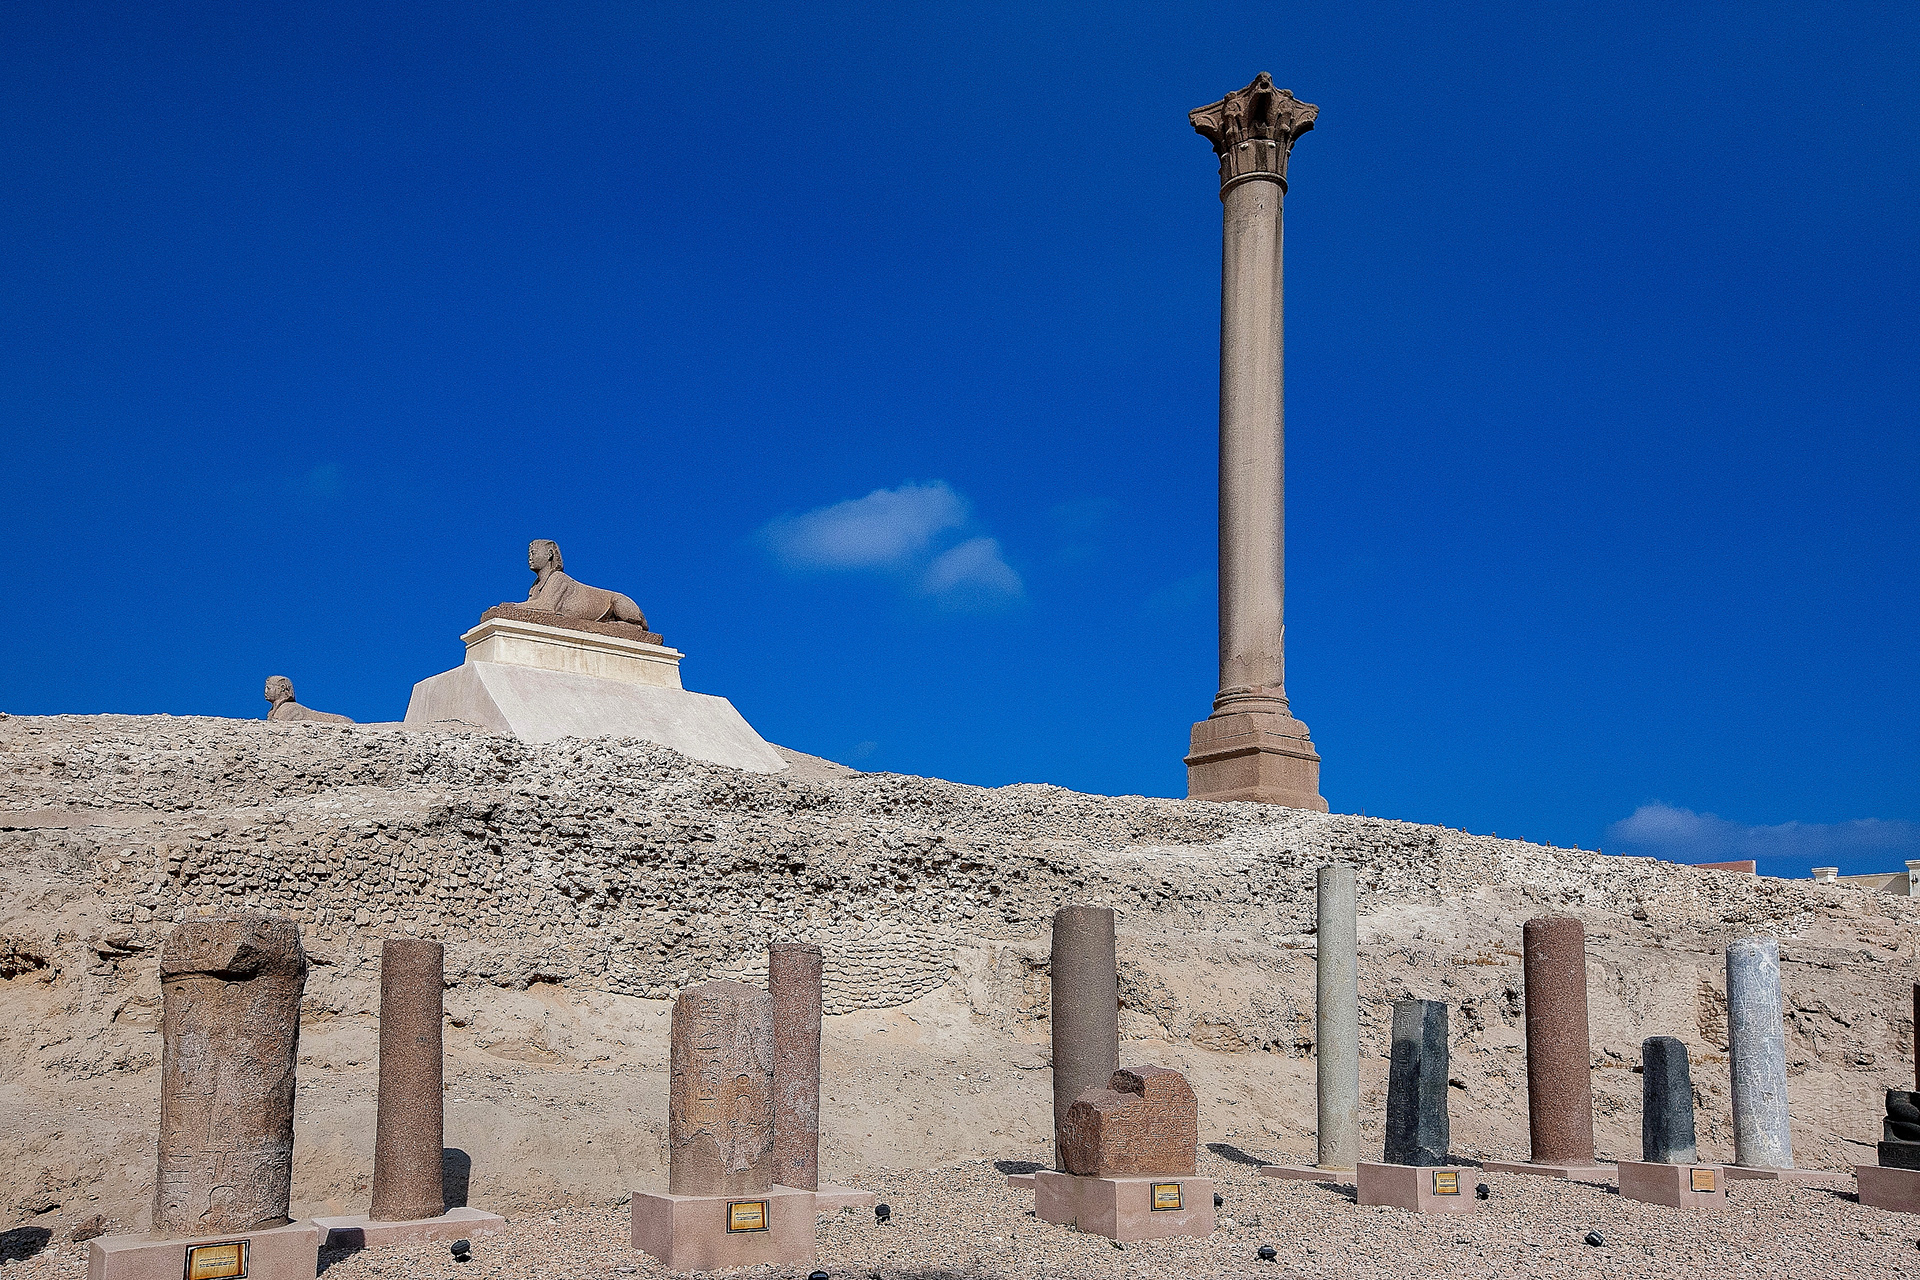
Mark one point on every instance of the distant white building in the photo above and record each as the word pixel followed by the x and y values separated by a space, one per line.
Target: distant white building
pixel 1906 883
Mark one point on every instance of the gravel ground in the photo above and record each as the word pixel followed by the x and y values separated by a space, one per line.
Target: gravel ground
pixel 964 1223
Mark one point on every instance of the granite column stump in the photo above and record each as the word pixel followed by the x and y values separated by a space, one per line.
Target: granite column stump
pixel 1085 1008
pixel 1336 1018
pixel 794 982
pixel 1757 1064
pixel 1411 1175
pixel 1668 1171
pixel 230 1031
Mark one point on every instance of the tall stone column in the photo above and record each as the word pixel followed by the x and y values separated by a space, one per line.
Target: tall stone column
pixel 1252 747
pixel 1336 1016
pixel 1084 1009
pixel 1559 1064
pixel 1757 1056
pixel 793 980
pixel 720 1097
pixel 410 1123
pixel 230 1034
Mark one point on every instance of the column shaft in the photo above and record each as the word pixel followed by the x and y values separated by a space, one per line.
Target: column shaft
pixel 1085 1009
pixel 1559 1065
pixel 1757 1056
pixel 1336 1016
pixel 1666 1103
pixel 793 979
pixel 409 1126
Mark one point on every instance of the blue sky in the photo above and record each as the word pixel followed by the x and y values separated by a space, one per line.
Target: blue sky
pixel 875 356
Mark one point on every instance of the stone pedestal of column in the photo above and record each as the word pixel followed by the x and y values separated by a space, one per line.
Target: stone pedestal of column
pixel 710 1233
pixel 290 1252
pixel 1125 1208
pixel 358 1231
pixel 1679 1186
pixel 1896 1190
pixel 1420 1188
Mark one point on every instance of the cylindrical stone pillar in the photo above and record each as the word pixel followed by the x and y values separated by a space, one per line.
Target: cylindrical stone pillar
pixel 793 980
pixel 409 1128
pixel 1757 1056
pixel 720 1099
pixel 230 1035
pixel 1666 1103
pixel 1336 1017
pixel 1084 1009
pixel 1559 1064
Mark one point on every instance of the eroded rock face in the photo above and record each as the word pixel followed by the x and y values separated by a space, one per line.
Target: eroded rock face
pixel 1146 1122
pixel 231 989
pixel 720 1102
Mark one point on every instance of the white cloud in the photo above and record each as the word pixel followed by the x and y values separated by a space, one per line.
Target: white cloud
pixel 887 529
pixel 972 576
pixel 1681 835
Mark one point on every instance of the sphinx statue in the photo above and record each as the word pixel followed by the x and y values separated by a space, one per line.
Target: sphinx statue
pixel 280 694
pixel 554 592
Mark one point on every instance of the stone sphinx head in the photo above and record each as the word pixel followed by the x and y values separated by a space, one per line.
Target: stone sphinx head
pixel 544 554
pixel 279 690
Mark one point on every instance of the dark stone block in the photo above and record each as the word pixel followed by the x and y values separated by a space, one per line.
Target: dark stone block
pixel 1899 1131
pixel 1900 1155
pixel 1666 1113
pixel 1903 1106
pixel 1417 1127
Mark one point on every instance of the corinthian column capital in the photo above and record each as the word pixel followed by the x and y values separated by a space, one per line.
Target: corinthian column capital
pixel 1252 130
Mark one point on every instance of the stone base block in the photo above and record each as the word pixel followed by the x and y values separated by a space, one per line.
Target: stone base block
pixel 291 1252
pixel 1577 1172
pixel 1020 1181
pixel 1743 1173
pixel 1125 1208
pixel 1682 1186
pixel 710 1233
pixel 358 1231
pixel 828 1198
pixel 1262 756
pixel 1308 1173
pixel 1884 1188
pixel 1421 1188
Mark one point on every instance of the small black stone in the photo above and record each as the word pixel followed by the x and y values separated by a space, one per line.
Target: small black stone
pixel 1218 1199
pixel 1267 1253
pixel 1595 1239
pixel 1483 1191
pixel 819 1275
pixel 462 1250
pixel 882 1212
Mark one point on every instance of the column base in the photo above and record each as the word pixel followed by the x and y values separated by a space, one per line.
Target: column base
pixel 710 1233
pixel 1528 1168
pixel 291 1252
pixel 1420 1188
pixel 1262 756
pixel 358 1231
pixel 828 1198
pixel 1309 1173
pixel 1679 1186
pixel 1020 1181
pixel 1753 1173
pixel 1894 1189
pixel 1123 1208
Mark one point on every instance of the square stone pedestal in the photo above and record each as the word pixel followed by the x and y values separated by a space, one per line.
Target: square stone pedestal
pixel 1311 1173
pixel 1125 1208
pixel 1744 1173
pixel 1682 1186
pixel 358 1231
pixel 711 1233
pixel 291 1252
pixel 1264 756
pixel 828 1198
pixel 1421 1188
pixel 1020 1181
pixel 1884 1188
pixel 1527 1168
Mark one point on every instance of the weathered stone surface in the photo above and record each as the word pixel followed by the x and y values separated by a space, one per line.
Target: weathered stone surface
pixel 1085 1012
pixel 410 1122
pixel 1418 1128
pixel 1559 1070
pixel 1666 1106
pixel 1899 1145
pixel 720 1101
pixel 547 618
pixel 793 980
pixel 230 987
pixel 1757 1056
pixel 1146 1122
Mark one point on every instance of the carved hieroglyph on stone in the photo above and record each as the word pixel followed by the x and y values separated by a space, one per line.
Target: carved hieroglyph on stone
pixel 230 1024
pixel 720 1101
pixel 793 982
pixel 280 693
pixel 1252 747
pixel 1145 1123
pixel 554 592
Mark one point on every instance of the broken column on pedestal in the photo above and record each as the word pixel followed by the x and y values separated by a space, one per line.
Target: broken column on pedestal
pixel 1894 1182
pixel 794 983
pixel 1412 1174
pixel 722 1207
pixel 409 1200
pixel 1084 1007
pixel 1669 1171
pixel 1128 1161
pixel 1757 1066
pixel 1559 1062
pixel 230 1026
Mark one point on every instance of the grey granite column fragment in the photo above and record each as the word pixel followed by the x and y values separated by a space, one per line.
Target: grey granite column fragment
pixel 1085 1009
pixel 793 980
pixel 720 1098
pixel 409 1127
pixel 230 1035
pixel 1757 1056
pixel 1418 1131
pixel 1336 1016
pixel 1666 1103
pixel 1559 1066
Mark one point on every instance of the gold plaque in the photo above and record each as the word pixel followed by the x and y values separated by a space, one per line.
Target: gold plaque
pixel 746 1215
pixel 1702 1179
pixel 217 1261
pixel 1166 1195
pixel 1446 1184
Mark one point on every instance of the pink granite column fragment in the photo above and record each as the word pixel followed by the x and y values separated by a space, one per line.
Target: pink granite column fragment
pixel 410 1125
pixel 720 1099
pixel 793 980
pixel 1559 1070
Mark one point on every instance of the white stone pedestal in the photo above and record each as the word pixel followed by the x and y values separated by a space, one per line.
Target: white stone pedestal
pixel 518 643
pixel 291 1252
